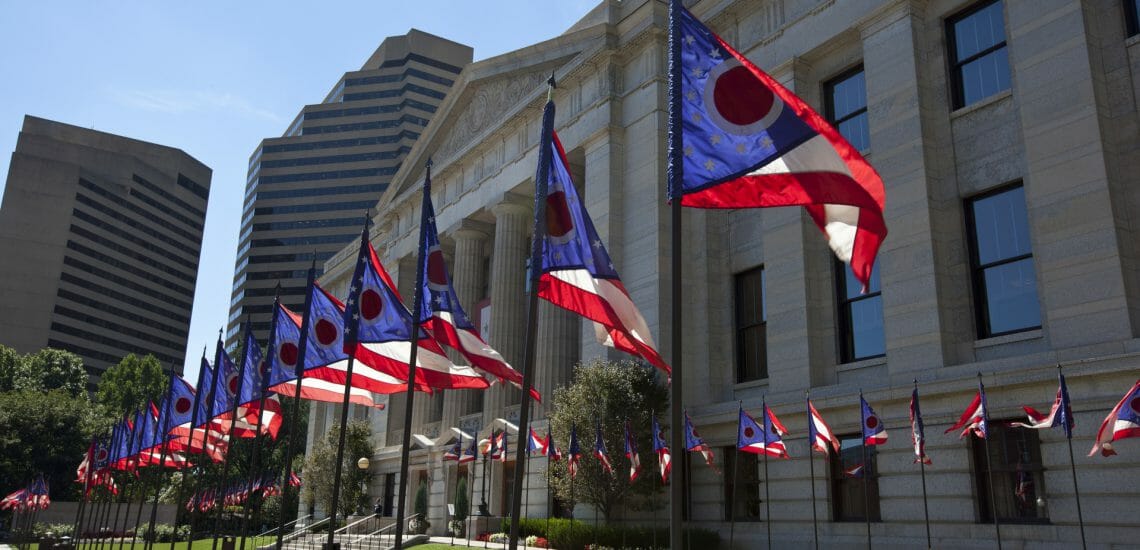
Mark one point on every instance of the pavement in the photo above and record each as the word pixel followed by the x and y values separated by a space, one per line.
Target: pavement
pixel 465 543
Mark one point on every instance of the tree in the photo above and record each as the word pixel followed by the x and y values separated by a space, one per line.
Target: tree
pixel 46 432
pixel 461 504
pixel 131 383
pixel 320 467
pixel 11 365
pixel 613 392
pixel 52 369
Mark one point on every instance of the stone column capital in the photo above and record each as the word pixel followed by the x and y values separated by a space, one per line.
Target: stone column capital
pixel 513 204
pixel 470 229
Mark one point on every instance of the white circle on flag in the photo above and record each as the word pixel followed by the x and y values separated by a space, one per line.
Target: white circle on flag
pixel 737 102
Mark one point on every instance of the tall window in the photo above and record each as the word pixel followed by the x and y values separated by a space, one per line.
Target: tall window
pixel 751 327
pixel 847 107
pixel 979 62
pixel 389 495
pixel 860 315
pixel 1015 456
pixel 1005 282
pixel 1132 16
pixel 847 471
pixel 743 499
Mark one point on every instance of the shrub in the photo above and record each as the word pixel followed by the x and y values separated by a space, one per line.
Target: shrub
pixel 457 528
pixel 56 530
pixel 461 504
pixel 577 535
pixel 163 532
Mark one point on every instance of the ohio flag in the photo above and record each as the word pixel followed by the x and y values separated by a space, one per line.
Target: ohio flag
pixel 1121 423
pixel 819 433
pixel 575 452
pixel 664 458
pixel 535 444
pixel 874 432
pixel 631 454
pixel 917 433
pixel 747 142
pixel 974 418
pixel 694 443
pixel 600 449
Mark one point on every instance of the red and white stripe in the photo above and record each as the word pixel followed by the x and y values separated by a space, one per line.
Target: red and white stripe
pixel 1114 427
pixel 972 420
pixel 664 463
pixel 433 368
pixel 317 389
pixel 617 321
pixel 481 356
pixel 824 437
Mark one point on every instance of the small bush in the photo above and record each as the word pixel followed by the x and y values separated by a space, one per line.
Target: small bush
pixel 577 535
pixel 56 530
pixel 163 532
pixel 457 528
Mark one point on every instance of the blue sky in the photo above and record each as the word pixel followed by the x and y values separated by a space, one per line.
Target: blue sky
pixel 213 78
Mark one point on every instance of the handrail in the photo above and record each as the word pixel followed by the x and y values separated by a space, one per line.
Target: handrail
pixel 302 530
pixel 306 516
pixel 349 526
pixel 381 530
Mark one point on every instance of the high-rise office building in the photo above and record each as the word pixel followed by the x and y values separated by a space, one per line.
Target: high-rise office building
pixel 100 237
pixel 307 191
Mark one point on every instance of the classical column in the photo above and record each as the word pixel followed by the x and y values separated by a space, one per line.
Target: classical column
pixel 467 277
pixel 556 352
pixel 508 295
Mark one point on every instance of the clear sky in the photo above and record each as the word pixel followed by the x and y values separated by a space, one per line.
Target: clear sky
pixel 215 77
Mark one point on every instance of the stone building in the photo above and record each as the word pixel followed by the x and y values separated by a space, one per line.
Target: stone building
pixel 1006 135
pixel 100 237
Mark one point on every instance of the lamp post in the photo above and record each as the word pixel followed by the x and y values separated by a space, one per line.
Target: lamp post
pixel 483 509
pixel 362 463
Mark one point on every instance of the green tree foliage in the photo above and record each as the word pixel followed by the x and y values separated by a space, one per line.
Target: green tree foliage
pixel 45 432
pixel 421 504
pixel 130 384
pixel 461 504
pixel 11 363
pixel 320 467
pixel 612 392
pixel 53 369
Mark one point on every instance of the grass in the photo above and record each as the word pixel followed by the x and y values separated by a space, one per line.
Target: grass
pixel 199 544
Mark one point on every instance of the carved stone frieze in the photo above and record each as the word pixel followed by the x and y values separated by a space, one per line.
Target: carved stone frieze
pixel 489 102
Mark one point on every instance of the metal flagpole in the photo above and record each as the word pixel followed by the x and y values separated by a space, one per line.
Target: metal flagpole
pixel 471 489
pixel 455 491
pixel 732 503
pixel 209 406
pixel 541 187
pixel 190 448
pixel 922 469
pixel 139 487
pixel 674 177
pixel 811 469
pixel 417 304
pixel 1067 412
pixel 162 428
pixel 302 344
pixel 866 471
pixel 255 455
pixel 230 440
pixel 989 468
pixel 489 469
pixel 115 522
pixel 767 492
pixel 91 452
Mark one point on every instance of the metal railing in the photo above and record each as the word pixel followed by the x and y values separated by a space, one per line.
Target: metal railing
pixel 304 537
pixel 380 539
pixel 287 525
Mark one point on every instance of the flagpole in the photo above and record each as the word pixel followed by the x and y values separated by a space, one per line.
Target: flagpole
pixel 190 451
pixel 767 491
pixel 1068 426
pixel 922 469
pixel 989 468
pixel 162 430
pixel 811 469
pixel 91 450
pixel 674 177
pixel 538 242
pixel 735 473
pixel 471 488
pixel 455 491
pixel 355 306
pixel 866 473
pixel 255 459
pixel 417 304
pixel 489 469
pixel 209 406
pixel 230 439
pixel 299 371
pixel 115 521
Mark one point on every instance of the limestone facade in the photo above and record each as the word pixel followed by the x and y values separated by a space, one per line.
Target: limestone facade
pixel 1066 129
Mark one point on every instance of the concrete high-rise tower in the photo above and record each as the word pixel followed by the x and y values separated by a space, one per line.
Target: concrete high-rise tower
pixel 100 237
pixel 307 191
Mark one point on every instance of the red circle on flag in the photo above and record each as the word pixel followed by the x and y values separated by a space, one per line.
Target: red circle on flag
pixel 263 368
pixel 749 432
pixel 370 304
pixel 738 102
pixel 182 405
pixel 1135 405
pixel 872 422
pixel 326 332
pixel 436 269
pixel 695 434
pixel 232 383
pixel 559 222
pixel 288 353
pixel 101 455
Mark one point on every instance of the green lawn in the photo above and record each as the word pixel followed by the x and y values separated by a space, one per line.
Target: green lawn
pixel 199 544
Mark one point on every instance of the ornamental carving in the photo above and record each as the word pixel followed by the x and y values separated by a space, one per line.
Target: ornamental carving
pixel 489 103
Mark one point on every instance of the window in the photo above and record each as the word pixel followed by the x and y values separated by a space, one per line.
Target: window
pixel 1018 480
pixel 1132 16
pixel 1005 283
pixel 860 315
pixel 847 107
pixel 979 62
pixel 848 499
pixel 745 496
pixel 751 327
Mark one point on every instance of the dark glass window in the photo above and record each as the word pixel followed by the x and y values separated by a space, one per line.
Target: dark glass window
pixel 87 283
pixel 1015 456
pixel 847 481
pixel 330 175
pixel 338 143
pixel 335 159
pixel 302 241
pixel 171 198
pixel 303 224
pixel 1132 16
pixel 979 61
pixel 118 200
pixel 847 107
pixel 376 188
pixel 745 499
pixel 421 59
pixel 90 270
pixel 327 207
pixel 860 315
pixel 751 327
pixel 128 267
pixel 1005 282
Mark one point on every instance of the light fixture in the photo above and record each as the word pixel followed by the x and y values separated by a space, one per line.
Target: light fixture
pixel 363 463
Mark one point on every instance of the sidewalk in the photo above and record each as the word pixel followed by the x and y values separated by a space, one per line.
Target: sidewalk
pixel 463 543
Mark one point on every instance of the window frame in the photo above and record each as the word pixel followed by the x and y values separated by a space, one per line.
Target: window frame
pixel 836 477
pixel 981 477
pixel 829 98
pixel 737 484
pixel 1131 17
pixel 978 271
pixel 957 88
pixel 845 335
pixel 743 374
